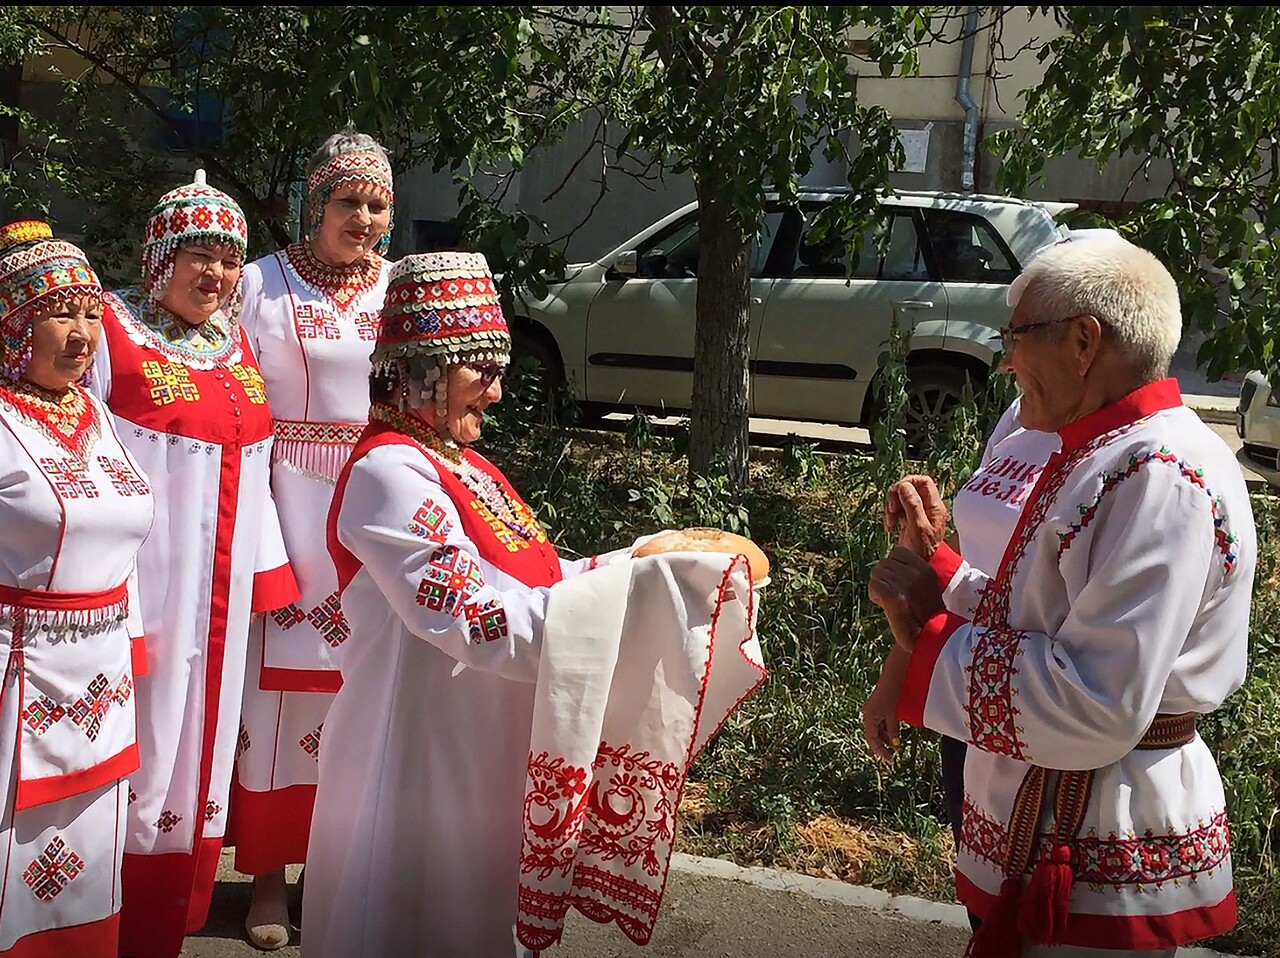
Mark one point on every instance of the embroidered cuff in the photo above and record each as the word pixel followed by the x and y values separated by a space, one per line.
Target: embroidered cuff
pixel 915 691
pixel 274 589
pixel 946 562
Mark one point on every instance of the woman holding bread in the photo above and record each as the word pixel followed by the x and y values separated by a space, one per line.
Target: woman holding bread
pixel 445 576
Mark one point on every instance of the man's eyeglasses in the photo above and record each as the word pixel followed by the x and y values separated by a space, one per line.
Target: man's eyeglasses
pixel 1009 334
pixel 488 372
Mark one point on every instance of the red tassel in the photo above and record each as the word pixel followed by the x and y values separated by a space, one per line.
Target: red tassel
pixel 997 936
pixel 1046 905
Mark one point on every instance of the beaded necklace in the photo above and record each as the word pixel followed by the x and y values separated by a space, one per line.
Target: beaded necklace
pixel 211 345
pixel 68 418
pixel 341 285
pixel 511 513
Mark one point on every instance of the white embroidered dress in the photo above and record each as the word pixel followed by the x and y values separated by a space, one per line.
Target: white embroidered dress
pixel 71 522
pixel 420 855
pixel 1123 594
pixel 192 408
pixel 312 335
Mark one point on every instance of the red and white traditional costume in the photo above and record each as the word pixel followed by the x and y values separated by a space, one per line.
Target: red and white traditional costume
pixel 312 328
pixel 986 508
pixel 74 508
pixel 440 821
pixel 191 405
pixel 1118 612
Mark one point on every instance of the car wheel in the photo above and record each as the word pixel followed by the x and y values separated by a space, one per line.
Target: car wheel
pixel 933 392
pixel 534 359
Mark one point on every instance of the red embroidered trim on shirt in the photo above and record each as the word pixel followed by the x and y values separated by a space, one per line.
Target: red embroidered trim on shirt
pixel 1225 540
pixel 1147 859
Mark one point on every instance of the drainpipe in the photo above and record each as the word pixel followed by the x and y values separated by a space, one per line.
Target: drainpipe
pixel 965 99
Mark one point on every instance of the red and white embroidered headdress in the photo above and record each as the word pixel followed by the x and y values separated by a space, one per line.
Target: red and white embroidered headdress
pixel 367 167
pixel 36 271
pixel 195 213
pixel 442 305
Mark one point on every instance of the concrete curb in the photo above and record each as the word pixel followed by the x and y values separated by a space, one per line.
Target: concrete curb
pixel 844 893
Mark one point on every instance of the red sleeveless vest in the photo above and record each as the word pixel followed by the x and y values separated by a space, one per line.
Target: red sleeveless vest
pixel 533 562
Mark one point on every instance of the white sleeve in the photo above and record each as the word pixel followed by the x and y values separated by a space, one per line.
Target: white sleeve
pixel 1141 577
pixel 399 522
pixel 100 373
pixel 962 592
pixel 251 302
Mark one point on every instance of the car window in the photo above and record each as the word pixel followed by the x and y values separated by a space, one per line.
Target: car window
pixel 967 249
pixel 673 253
pixel 830 256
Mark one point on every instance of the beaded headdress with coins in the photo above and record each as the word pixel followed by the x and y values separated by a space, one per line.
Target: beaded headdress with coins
pixel 36 271
pixel 441 309
pixel 195 213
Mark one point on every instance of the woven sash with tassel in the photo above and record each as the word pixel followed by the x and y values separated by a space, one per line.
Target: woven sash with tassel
pixel 1040 913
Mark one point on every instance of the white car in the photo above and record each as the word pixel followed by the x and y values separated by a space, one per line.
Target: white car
pixel 1258 425
pixel 620 331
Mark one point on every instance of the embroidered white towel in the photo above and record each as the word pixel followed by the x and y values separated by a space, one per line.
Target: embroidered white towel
pixel 642 661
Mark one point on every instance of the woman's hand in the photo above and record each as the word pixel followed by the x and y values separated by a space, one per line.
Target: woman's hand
pixel 906 588
pixel 914 508
pixel 879 721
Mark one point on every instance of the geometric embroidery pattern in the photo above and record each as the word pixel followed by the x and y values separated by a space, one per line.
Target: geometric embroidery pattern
pixel 87 712
pixel 367 326
pixel 315 323
pixel 53 870
pixel 123 478
pixel 169 382
pixel 992 715
pixel 310 743
pixel 1147 859
pixel 431 523
pixel 255 387
pixel 288 617
pixel 211 808
pixel 329 621
pixel 486 621
pixel 70 479
pixel 167 820
pixel 1224 540
pixel 242 741
pixel 452 577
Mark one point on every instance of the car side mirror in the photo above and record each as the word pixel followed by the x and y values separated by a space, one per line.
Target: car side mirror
pixel 625 263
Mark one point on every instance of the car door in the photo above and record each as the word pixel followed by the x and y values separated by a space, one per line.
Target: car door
pixel 640 329
pixel 977 265
pixel 826 324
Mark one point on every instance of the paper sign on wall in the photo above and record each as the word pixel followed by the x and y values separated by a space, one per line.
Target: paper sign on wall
pixel 915 144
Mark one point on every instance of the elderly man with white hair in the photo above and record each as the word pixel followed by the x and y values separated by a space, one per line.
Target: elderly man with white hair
pixel 1094 816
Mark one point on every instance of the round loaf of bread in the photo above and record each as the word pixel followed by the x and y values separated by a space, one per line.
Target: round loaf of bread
pixel 709 540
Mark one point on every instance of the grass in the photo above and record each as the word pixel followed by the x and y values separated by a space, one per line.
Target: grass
pixel 789 782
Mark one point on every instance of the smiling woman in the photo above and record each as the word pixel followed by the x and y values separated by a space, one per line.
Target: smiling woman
pixel 75 508
pixel 311 313
pixel 180 376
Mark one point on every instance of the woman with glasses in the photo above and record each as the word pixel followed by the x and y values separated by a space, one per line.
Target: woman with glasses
pixel 426 745
pixel 74 508
pixel 180 377
pixel 311 312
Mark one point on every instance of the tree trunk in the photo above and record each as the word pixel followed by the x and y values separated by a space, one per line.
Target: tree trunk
pixel 721 340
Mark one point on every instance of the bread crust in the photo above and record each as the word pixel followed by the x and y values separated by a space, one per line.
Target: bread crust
pixel 701 539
